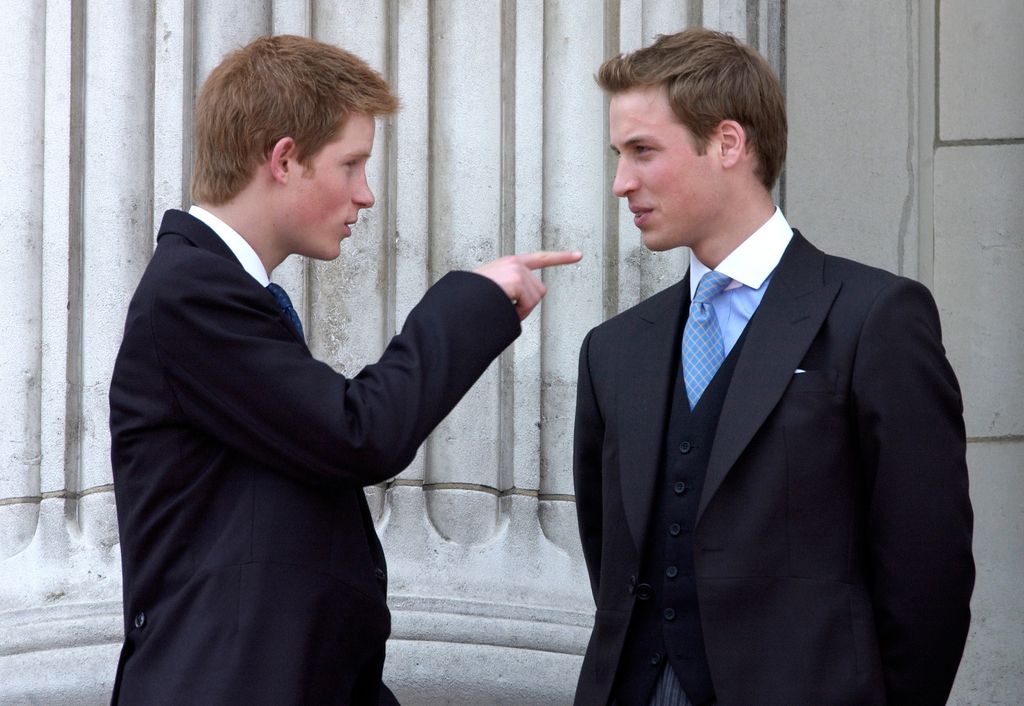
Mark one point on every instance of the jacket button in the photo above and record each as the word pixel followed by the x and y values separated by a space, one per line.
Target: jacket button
pixel 684 448
pixel 379 573
pixel 674 529
pixel 671 572
pixel 670 614
pixel 656 659
pixel 140 619
pixel 643 591
pixel 680 488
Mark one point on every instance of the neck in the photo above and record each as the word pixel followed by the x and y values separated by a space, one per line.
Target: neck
pixel 738 225
pixel 249 220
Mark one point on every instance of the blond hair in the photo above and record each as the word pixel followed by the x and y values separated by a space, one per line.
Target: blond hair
pixel 276 87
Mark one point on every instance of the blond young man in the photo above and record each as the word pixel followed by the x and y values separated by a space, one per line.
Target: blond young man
pixel 252 571
pixel 769 455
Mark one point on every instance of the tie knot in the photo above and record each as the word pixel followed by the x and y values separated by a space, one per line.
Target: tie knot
pixel 280 296
pixel 711 284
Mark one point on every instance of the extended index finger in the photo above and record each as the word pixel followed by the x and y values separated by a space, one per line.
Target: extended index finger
pixel 549 258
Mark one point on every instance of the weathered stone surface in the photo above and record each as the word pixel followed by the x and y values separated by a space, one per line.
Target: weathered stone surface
pixel 992 671
pixel 850 179
pixel 981 64
pixel 979 263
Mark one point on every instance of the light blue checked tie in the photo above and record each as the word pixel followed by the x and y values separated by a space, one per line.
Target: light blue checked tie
pixel 703 350
pixel 281 297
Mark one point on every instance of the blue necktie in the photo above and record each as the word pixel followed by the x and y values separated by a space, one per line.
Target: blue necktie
pixel 703 350
pixel 281 297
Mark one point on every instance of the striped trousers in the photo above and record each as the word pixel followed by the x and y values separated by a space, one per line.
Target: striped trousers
pixel 668 691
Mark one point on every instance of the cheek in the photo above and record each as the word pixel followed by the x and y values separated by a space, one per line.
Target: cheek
pixel 691 191
pixel 323 201
pixel 664 188
pixel 337 194
pixel 663 181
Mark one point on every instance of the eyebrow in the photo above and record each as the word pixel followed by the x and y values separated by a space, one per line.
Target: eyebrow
pixel 632 141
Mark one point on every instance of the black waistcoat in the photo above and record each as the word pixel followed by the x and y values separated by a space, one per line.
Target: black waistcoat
pixel 665 624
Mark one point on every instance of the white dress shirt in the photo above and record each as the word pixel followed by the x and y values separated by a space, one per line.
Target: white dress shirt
pixel 238 245
pixel 750 266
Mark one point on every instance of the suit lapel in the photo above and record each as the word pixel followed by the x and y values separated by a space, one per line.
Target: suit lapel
pixel 195 231
pixel 202 236
pixel 781 331
pixel 643 397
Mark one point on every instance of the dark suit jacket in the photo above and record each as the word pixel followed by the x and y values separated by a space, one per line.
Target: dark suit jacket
pixel 252 571
pixel 833 537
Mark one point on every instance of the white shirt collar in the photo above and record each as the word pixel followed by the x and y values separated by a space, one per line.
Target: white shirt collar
pixel 754 259
pixel 238 245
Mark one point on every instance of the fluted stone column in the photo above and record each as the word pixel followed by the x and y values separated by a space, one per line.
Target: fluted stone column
pixel 79 230
pixel 500 147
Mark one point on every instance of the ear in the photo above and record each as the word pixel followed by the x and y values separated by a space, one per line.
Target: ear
pixel 731 143
pixel 282 161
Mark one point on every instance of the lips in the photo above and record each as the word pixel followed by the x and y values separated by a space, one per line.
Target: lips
pixel 641 215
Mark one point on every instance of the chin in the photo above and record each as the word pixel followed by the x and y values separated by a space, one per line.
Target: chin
pixel 653 243
pixel 325 254
pixel 662 240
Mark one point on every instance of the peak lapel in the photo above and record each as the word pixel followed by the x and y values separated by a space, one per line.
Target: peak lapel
pixel 643 395
pixel 782 329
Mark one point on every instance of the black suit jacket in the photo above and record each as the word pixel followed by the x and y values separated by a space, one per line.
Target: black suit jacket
pixel 833 538
pixel 252 571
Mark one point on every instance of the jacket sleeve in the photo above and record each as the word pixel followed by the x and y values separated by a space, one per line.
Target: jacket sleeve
pixel 586 462
pixel 912 440
pixel 239 375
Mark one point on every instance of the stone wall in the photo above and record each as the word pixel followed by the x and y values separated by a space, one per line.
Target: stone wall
pixel 906 151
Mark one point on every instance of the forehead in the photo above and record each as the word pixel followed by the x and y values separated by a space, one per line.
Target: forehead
pixel 642 113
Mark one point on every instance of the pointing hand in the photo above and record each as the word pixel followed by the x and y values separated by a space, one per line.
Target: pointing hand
pixel 513 273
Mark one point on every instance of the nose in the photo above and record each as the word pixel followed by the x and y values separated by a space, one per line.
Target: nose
pixel 362 196
pixel 625 181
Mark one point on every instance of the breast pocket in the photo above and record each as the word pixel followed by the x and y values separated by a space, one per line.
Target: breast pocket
pixel 821 381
